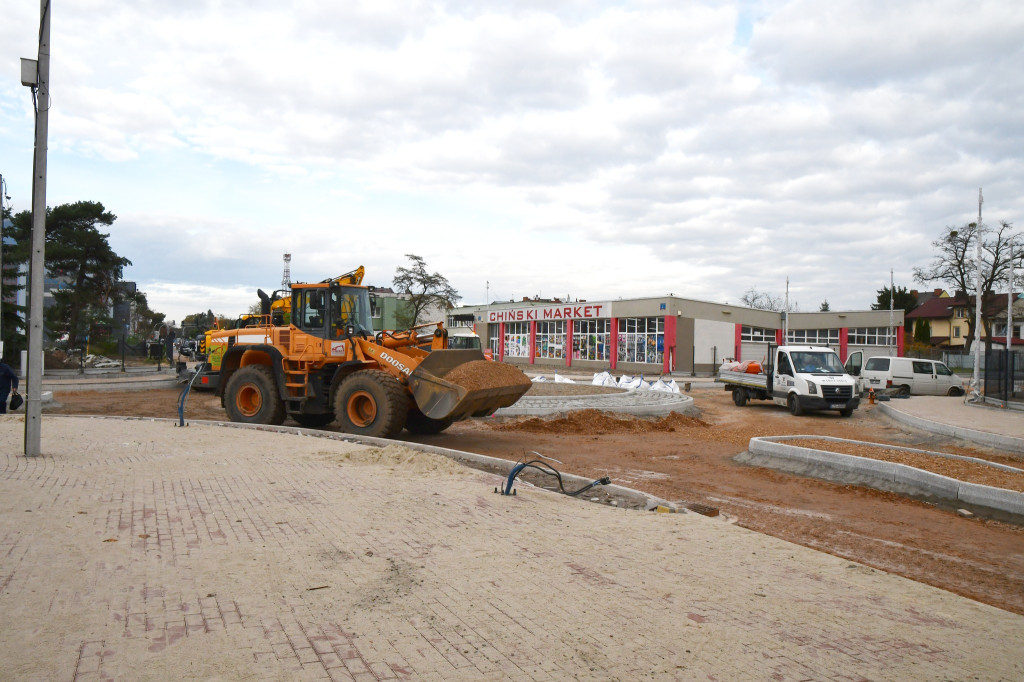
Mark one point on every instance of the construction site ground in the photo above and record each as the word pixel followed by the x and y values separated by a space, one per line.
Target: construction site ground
pixel 689 460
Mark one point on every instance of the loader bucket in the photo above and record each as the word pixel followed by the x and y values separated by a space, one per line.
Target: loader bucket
pixel 493 385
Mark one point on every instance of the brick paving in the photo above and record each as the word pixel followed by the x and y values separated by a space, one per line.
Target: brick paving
pixel 134 549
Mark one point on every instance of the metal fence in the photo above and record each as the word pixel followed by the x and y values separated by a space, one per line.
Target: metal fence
pixel 1003 376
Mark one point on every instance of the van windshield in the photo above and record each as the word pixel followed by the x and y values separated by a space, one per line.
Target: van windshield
pixel 463 342
pixel 817 362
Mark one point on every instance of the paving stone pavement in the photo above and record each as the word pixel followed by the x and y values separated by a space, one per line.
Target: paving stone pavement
pixel 135 549
pixel 640 403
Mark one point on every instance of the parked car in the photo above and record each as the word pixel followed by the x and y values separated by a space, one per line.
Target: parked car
pixel 904 376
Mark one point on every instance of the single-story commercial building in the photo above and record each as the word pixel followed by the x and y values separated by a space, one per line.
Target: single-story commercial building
pixel 663 335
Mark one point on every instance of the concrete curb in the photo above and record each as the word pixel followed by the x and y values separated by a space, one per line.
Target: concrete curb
pixel 636 498
pixel 768 451
pixel 72 386
pixel 995 440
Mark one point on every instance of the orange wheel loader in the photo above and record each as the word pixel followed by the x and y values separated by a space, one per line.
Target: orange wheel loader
pixel 327 364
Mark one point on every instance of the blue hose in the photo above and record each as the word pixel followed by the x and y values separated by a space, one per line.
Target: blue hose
pixel 184 394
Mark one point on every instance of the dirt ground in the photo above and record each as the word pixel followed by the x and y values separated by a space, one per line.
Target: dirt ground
pixel 689 461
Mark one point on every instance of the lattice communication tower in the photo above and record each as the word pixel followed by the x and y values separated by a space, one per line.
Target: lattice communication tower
pixel 286 278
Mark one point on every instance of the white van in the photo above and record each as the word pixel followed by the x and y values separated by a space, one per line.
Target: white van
pixel 904 376
pixel 462 338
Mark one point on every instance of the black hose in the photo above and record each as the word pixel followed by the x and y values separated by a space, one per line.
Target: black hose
pixel 546 468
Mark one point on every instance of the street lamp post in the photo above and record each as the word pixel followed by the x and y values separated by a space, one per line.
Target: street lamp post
pixel 38 78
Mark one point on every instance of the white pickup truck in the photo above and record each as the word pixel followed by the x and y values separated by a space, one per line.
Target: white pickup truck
pixel 803 378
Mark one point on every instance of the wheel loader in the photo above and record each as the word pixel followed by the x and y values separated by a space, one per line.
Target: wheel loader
pixel 327 364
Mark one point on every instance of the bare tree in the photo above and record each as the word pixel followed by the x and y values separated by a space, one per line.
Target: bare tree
pixel 762 300
pixel 423 290
pixel 955 265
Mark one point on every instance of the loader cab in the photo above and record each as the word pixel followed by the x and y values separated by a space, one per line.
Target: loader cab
pixel 331 311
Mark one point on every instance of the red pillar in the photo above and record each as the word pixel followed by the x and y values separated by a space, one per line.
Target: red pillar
pixel 778 338
pixel 501 342
pixel 900 338
pixel 533 341
pixel 614 342
pixel 568 343
pixel 670 344
pixel 844 343
pixel 737 345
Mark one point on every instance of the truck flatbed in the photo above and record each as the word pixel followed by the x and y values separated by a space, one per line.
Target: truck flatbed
pixel 743 379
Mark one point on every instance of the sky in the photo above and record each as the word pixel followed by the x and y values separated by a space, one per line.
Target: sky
pixel 589 150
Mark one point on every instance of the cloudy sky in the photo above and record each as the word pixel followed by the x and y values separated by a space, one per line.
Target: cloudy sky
pixel 525 147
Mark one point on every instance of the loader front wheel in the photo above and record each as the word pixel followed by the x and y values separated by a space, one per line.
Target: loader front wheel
pixel 251 397
pixel 423 425
pixel 371 403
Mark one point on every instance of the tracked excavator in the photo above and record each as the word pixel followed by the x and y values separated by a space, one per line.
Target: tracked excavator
pixel 327 364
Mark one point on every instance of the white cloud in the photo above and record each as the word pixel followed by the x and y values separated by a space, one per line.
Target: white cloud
pixel 597 149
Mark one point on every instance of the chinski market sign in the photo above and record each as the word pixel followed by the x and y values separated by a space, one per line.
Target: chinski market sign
pixel 564 312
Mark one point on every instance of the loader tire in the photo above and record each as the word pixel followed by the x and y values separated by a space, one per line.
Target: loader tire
pixel 371 403
pixel 423 425
pixel 251 397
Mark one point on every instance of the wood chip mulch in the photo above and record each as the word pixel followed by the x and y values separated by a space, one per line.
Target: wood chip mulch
pixel 969 472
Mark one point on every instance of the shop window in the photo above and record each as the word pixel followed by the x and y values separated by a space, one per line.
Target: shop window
pixel 517 340
pixel 590 339
pixel 642 339
pixel 757 334
pixel 871 336
pixel 550 340
pixel 814 337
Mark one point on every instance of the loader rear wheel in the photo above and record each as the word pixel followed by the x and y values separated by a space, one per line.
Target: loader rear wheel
pixel 251 397
pixel 371 403
pixel 421 424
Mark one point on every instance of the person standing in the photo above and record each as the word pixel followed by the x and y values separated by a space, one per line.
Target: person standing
pixel 8 381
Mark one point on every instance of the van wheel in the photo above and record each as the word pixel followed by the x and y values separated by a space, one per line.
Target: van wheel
pixel 251 397
pixel 371 403
pixel 846 412
pixel 903 391
pixel 955 391
pixel 794 406
pixel 739 396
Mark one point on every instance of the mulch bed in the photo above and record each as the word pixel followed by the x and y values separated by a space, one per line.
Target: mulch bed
pixel 969 472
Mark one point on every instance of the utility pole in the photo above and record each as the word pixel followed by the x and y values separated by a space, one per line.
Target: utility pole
pixel 785 317
pixel 892 330
pixel 40 85
pixel 3 195
pixel 976 377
